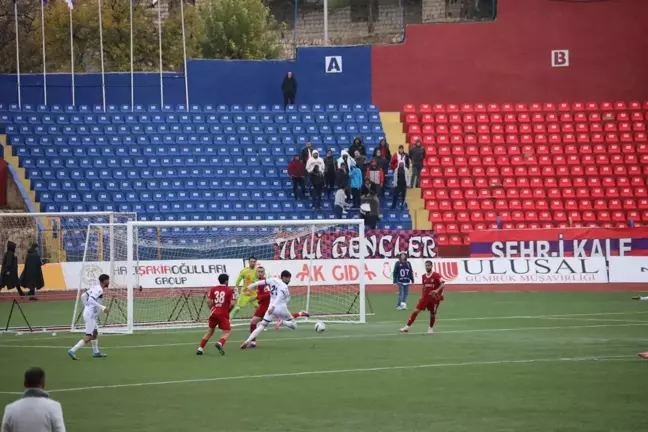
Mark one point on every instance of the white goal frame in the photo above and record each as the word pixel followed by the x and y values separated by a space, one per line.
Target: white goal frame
pixel 132 260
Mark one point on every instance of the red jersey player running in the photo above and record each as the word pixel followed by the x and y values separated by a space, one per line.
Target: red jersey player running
pixel 431 297
pixel 220 300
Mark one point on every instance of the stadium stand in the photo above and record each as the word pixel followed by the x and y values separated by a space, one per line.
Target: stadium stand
pixel 531 165
pixel 213 162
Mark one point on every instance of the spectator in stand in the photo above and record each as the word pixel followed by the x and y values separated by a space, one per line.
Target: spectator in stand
pixel 357 145
pixel 342 176
pixel 383 148
pixel 9 269
pixel 317 181
pixel 297 171
pixel 376 176
pixel 340 205
pixel 417 156
pixel 356 185
pixel 360 160
pixel 383 163
pixel 372 213
pixel 330 167
pixel 314 161
pixel 32 275
pixel 345 158
pixel 366 188
pixel 34 411
pixel 289 89
pixel 401 183
pixel 307 152
pixel 399 157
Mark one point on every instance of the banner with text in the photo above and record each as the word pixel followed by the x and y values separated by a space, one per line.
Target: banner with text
pixel 568 242
pixel 629 269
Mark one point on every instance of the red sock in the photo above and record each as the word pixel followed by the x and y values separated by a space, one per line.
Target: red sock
pixel 412 318
pixel 296 315
pixel 222 341
pixel 252 328
pixel 203 342
pixel 432 320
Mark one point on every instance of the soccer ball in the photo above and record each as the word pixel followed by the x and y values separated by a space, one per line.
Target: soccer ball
pixel 320 327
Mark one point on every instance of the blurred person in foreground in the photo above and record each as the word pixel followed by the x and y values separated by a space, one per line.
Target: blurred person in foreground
pixel 34 411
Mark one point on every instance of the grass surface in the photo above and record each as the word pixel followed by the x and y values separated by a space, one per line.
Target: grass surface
pixel 499 362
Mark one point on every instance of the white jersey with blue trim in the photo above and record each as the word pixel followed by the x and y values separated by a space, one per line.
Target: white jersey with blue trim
pixel 92 301
pixel 279 293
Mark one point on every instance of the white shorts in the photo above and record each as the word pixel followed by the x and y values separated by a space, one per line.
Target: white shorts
pixel 280 312
pixel 91 324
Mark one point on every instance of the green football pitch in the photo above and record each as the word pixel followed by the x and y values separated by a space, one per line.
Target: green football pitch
pixel 498 362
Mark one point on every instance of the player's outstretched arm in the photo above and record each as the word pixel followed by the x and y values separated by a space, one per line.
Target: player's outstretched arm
pixel 92 301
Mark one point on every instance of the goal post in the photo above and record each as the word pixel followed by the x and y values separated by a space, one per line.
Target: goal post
pixel 162 271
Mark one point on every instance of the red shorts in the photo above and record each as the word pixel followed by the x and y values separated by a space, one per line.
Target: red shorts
pixel 261 310
pixel 430 303
pixel 220 321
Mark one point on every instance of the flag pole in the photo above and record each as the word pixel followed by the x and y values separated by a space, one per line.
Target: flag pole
pixel 69 2
pixel 184 54
pixel 103 80
pixel 132 77
pixel 17 55
pixel 159 14
pixel 44 57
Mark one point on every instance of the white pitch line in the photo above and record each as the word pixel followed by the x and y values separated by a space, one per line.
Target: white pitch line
pixel 339 371
pixel 596 319
pixel 353 336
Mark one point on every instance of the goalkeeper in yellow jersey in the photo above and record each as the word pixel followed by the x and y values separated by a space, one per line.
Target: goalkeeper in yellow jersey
pixel 245 296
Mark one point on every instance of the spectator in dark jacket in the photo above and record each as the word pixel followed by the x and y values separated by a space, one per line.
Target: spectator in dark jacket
pixel 9 269
pixel 383 163
pixel 361 160
pixel 376 176
pixel 330 166
pixel 417 158
pixel 297 171
pixel 401 183
pixel 32 275
pixel 383 147
pixel 342 176
pixel 317 181
pixel 372 216
pixel 357 145
pixel 289 89
pixel 307 152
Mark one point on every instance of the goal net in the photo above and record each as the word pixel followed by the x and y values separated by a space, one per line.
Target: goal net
pixel 162 271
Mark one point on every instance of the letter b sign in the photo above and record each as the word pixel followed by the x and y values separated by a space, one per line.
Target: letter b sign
pixel 560 58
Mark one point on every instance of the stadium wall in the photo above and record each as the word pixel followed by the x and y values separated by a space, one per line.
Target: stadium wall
pixel 509 60
pixel 214 82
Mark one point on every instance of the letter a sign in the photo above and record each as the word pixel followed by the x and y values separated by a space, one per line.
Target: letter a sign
pixel 333 64
pixel 560 58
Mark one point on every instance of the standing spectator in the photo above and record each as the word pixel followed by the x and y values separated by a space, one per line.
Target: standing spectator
pixel 34 411
pixel 9 269
pixel 356 185
pixel 417 156
pixel 403 276
pixel 360 160
pixel 330 166
pixel 357 145
pixel 342 176
pixel 340 205
pixel 383 148
pixel 32 275
pixel 307 152
pixel 372 214
pixel 399 157
pixel 345 158
pixel 383 163
pixel 317 181
pixel 376 176
pixel 297 171
pixel 289 89
pixel 366 188
pixel 314 161
pixel 401 182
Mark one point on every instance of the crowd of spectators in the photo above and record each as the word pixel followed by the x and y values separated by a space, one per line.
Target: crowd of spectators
pixel 355 179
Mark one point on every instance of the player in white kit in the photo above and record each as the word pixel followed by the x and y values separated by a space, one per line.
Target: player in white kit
pixel 92 306
pixel 278 309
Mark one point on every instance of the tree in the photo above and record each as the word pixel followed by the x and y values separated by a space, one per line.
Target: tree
pixel 30 57
pixel 172 55
pixel 240 29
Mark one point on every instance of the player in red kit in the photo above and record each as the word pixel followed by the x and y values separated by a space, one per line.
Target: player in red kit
pixel 220 300
pixel 431 297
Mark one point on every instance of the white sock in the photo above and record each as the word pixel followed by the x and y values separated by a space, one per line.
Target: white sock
pixel 95 346
pixel 257 331
pixel 200 348
pixel 290 324
pixel 78 346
